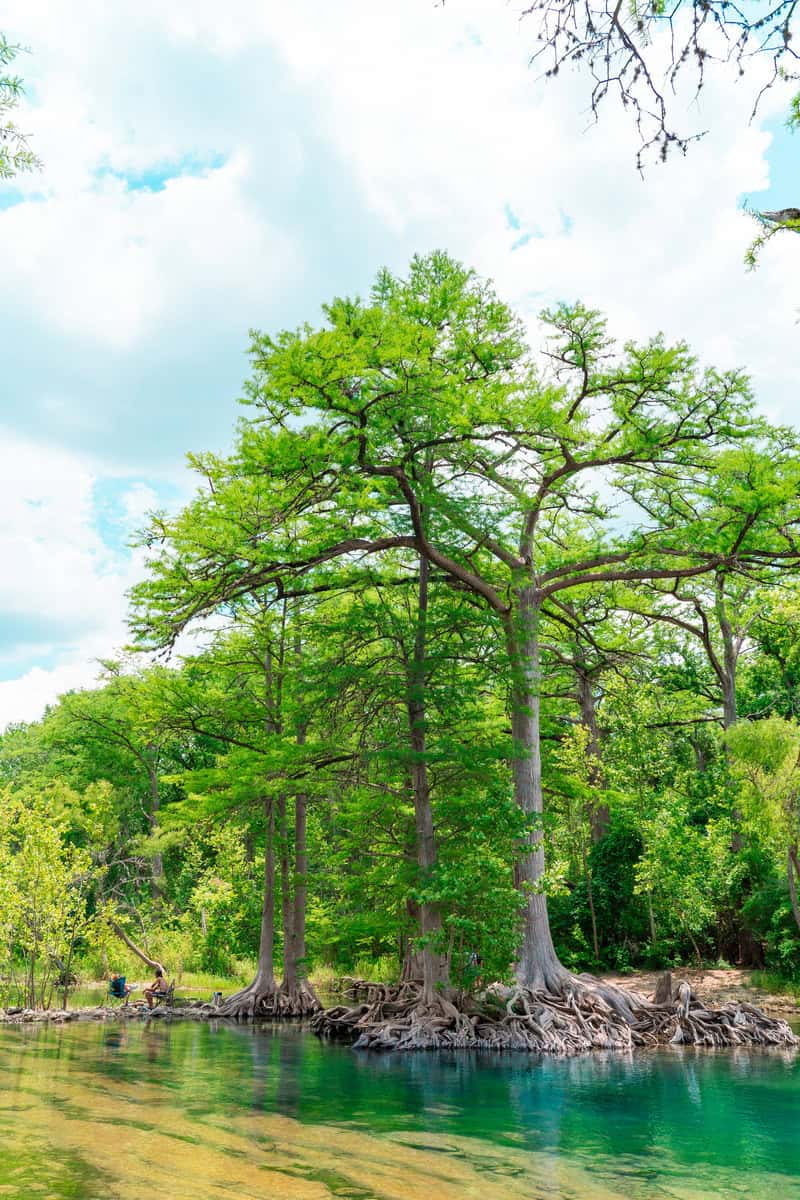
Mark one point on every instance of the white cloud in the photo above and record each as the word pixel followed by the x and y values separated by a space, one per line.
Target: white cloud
pixel 25 698
pixel 443 131
pixel 62 597
pixel 334 141
pixel 112 265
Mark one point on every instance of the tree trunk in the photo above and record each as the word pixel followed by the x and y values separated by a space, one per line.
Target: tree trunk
pixel 265 975
pixel 729 710
pixel 137 950
pixel 434 970
pixel 157 880
pixel 538 967
pixel 296 996
pixel 287 913
pixel 259 997
pixel 728 680
pixel 300 885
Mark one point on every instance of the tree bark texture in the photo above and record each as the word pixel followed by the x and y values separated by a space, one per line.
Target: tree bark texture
pixel 137 950
pixel 538 967
pixel 434 969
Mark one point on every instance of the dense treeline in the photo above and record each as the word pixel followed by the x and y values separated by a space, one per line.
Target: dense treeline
pixel 493 648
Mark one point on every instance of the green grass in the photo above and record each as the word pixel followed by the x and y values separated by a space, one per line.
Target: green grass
pixel 385 969
pixel 202 981
pixel 770 981
pixel 201 985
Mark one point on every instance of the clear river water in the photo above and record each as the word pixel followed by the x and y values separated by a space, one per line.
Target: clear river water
pixel 191 1111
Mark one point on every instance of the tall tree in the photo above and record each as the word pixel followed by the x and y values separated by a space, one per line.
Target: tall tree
pixel 246 694
pixel 418 422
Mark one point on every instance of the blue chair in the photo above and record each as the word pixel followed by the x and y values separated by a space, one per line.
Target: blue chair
pixel 117 989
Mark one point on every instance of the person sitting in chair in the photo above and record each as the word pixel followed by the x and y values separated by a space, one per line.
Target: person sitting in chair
pixel 156 988
pixel 119 989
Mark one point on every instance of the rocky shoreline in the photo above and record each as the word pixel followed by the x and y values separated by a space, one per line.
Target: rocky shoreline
pixel 197 1010
pixel 713 987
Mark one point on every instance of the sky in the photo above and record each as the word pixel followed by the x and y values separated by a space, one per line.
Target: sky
pixel 209 169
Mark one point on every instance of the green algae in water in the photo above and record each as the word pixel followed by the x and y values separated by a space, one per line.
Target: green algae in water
pixel 229 1111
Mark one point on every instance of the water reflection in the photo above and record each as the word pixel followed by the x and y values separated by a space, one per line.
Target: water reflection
pixel 211 1110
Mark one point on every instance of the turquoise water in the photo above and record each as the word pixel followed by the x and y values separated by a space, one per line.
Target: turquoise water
pixel 201 1111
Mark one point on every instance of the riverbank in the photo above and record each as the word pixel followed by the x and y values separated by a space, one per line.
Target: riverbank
pixel 715 987
pixel 193 1009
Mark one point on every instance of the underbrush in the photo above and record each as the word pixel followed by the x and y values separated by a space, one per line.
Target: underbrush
pixel 779 985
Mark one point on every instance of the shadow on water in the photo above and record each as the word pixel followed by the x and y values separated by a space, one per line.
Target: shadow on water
pixel 219 1110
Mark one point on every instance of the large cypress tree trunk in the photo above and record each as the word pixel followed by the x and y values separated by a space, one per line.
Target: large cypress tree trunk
pixel 287 910
pixel 265 974
pixel 749 948
pixel 300 885
pixel 258 999
pixel 538 967
pixel 434 970
pixel 730 657
pixel 296 996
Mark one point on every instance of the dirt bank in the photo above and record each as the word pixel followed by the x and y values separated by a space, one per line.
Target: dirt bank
pixel 714 987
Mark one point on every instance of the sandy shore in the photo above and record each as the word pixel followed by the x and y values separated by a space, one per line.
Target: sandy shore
pixel 714 986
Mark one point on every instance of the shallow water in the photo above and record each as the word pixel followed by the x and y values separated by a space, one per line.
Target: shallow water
pixel 198 1111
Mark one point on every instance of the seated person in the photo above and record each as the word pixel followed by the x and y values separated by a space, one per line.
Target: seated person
pixel 158 986
pixel 118 988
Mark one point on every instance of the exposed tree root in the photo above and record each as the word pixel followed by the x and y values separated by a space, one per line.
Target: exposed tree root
pixel 299 1000
pixel 586 1014
pixel 259 1002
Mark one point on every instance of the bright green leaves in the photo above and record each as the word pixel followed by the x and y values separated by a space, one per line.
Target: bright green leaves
pixel 419 422
pixel 15 153
pixel 766 759
pixel 45 885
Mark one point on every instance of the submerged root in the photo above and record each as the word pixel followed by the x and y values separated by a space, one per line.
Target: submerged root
pixel 585 1014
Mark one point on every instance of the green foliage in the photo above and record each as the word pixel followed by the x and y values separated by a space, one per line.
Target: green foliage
pixel 766 758
pixel 45 884
pixel 407 475
pixel 15 152
pixel 621 919
pixel 224 907
pixel 768 228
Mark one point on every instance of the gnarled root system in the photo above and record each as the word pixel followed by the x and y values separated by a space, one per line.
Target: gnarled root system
pixel 259 1003
pixel 585 1014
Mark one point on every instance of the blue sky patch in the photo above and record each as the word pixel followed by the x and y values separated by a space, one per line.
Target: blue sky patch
pixel 512 219
pixel 29 639
pixel 112 518
pixel 156 178
pixel 11 197
pixel 783 157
